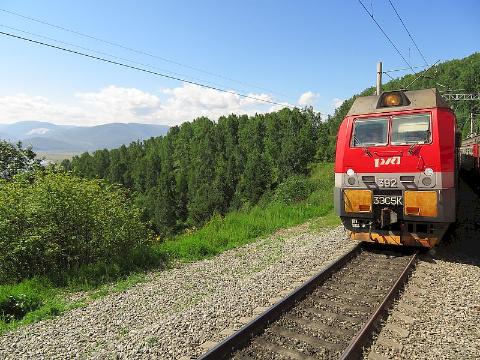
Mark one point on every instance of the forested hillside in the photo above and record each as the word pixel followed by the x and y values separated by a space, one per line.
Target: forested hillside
pixel 205 167
pixel 459 76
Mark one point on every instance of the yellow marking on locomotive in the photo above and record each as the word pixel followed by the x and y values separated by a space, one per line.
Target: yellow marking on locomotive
pixel 421 203
pixel 357 201
pixel 407 239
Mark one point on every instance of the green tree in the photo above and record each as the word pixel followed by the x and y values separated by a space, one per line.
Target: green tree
pixel 15 159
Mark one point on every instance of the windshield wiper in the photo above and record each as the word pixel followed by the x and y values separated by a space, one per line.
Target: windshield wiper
pixel 419 142
pixel 366 151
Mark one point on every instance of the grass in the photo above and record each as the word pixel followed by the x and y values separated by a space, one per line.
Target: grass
pixel 242 227
pixel 39 299
pixel 48 300
pixel 30 301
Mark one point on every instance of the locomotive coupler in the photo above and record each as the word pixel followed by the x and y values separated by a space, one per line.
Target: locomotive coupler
pixel 387 217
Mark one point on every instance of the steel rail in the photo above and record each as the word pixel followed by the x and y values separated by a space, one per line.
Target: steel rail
pixel 363 336
pixel 247 332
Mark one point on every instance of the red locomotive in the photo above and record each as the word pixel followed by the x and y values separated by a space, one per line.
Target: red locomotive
pixel 396 168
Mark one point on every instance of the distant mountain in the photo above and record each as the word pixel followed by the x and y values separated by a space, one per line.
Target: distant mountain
pixel 48 137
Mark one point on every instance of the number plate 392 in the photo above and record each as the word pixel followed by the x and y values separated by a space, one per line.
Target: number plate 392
pixel 387 183
pixel 387 200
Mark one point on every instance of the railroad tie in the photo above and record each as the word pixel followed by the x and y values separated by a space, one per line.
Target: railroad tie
pixel 405 318
pixel 275 300
pixel 342 294
pixel 331 315
pixel 408 308
pixel 307 339
pixel 389 343
pixel 207 345
pixel 293 354
pixel 411 297
pixel 227 332
pixel 400 331
pixel 243 357
pixel 318 326
pixel 339 305
pixel 417 290
pixel 373 355
pixel 246 319
pixel 259 310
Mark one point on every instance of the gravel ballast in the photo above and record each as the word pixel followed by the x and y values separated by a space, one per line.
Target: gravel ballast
pixel 177 311
pixel 440 307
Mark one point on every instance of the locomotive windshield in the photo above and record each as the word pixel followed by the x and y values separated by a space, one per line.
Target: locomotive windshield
pixel 410 129
pixel 370 132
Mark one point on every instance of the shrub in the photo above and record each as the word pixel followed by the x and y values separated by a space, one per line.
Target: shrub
pixel 54 223
pixel 17 300
pixel 294 189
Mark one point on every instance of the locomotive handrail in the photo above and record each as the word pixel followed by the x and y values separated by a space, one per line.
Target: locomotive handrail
pixel 389 153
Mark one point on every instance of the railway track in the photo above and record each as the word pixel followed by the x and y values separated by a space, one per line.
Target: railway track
pixel 331 316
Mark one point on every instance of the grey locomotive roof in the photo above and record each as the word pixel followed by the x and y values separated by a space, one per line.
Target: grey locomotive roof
pixel 419 99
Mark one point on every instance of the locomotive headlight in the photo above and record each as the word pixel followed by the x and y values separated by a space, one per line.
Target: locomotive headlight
pixel 393 99
pixel 350 172
pixel 428 171
pixel 427 181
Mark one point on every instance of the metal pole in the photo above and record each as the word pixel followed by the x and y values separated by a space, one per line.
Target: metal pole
pixel 471 124
pixel 379 78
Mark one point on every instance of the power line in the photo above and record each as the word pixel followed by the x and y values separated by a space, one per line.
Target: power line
pixel 141 69
pixel 107 54
pixel 385 34
pixel 403 69
pixel 141 52
pixel 386 73
pixel 408 32
pixel 422 74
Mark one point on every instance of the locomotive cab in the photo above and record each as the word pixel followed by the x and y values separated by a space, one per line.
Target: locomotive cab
pixel 395 168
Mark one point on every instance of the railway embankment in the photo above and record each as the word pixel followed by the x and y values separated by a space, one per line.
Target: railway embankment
pixel 179 312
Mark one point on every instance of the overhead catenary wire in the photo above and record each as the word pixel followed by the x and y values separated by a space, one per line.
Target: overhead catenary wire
pixel 142 69
pixel 386 35
pixel 137 51
pixel 109 55
pixel 405 69
pixel 422 74
pixel 408 32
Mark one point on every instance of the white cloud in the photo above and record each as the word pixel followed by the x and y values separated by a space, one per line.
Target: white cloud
pixel 119 104
pixel 170 106
pixel 336 102
pixel 308 98
pixel 26 107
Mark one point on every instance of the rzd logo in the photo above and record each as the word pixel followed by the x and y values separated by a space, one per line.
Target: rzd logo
pixel 394 160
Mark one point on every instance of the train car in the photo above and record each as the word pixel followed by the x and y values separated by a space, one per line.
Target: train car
pixel 470 155
pixel 396 168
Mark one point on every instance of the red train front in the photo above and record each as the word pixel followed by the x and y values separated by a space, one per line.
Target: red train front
pixel 396 168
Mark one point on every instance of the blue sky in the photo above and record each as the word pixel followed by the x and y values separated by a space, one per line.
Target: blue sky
pixel 327 50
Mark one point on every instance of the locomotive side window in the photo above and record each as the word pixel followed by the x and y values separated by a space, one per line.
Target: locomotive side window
pixel 370 132
pixel 411 129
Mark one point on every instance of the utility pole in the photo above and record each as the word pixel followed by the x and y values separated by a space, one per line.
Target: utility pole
pixel 379 78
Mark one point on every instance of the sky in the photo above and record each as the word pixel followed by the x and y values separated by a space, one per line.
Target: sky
pixel 300 53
